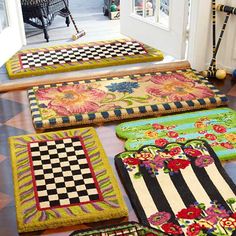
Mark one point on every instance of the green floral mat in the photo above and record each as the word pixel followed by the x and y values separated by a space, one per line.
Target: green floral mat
pixel 217 126
pixel 115 98
pixel 181 189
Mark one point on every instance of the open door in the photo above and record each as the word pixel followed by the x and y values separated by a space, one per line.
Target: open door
pixel 12 35
pixel 159 23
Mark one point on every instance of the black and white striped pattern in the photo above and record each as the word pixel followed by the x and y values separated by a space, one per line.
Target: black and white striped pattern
pixel 172 193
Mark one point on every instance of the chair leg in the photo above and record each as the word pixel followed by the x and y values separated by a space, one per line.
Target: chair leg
pixel 67 21
pixel 46 36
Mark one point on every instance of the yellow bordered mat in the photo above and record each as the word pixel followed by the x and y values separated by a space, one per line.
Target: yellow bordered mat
pixel 115 98
pixel 61 179
pixel 70 57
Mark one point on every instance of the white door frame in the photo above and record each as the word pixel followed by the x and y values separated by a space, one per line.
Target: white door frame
pixel 12 37
pixel 199 33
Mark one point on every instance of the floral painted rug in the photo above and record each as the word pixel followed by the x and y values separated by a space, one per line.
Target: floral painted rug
pixel 180 189
pixel 136 95
pixel 125 229
pixel 63 178
pixel 216 126
pixel 70 57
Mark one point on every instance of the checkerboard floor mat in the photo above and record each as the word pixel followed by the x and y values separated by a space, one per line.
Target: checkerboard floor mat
pixel 62 178
pixel 116 98
pixel 125 229
pixel 76 57
pixel 181 189
pixel 62 173
pixel 76 54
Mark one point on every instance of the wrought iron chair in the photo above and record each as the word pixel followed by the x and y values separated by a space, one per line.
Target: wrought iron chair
pixel 41 13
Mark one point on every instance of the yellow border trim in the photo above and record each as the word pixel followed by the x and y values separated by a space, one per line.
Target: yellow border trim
pixel 15 71
pixel 110 213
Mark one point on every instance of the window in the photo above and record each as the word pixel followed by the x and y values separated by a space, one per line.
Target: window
pixel 155 11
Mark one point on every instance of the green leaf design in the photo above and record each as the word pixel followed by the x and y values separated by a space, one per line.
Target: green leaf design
pixel 125 154
pixel 151 149
pixel 231 200
pixel 128 102
pixel 137 175
pixel 166 171
pixel 202 206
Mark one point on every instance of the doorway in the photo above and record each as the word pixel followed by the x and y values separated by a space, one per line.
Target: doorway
pixel 89 16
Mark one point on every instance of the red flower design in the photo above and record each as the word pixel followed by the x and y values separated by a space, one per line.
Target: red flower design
pixel 192 152
pixel 227 145
pixel 234 215
pixel 228 223
pixel 175 151
pixel 72 99
pixel 161 142
pixel 158 126
pixel 172 229
pixel 172 134
pixel 178 164
pixel 189 213
pixel 131 161
pixel 219 128
pixel 194 229
pixel 211 137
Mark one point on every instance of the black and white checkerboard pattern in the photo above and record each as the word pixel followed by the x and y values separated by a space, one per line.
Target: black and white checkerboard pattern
pixel 62 174
pixel 77 54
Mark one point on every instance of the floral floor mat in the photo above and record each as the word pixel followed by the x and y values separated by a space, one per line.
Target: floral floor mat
pixel 125 229
pixel 216 126
pixel 180 189
pixel 70 57
pixel 116 98
pixel 63 178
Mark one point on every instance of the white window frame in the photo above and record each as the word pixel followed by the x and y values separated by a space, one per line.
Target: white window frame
pixel 146 20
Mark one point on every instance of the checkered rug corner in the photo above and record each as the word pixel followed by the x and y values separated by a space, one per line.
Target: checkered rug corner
pixel 63 178
pixel 125 229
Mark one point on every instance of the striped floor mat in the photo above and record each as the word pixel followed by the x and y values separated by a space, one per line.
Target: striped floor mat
pixel 180 189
